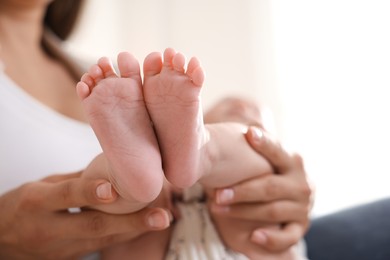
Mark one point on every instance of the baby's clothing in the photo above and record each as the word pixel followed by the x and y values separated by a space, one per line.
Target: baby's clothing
pixel 194 235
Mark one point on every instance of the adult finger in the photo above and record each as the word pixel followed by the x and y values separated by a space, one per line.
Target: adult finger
pixel 72 193
pixel 95 224
pixel 61 177
pixel 279 158
pixel 82 246
pixel 278 239
pixel 96 244
pixel 262 189
pixel 274 212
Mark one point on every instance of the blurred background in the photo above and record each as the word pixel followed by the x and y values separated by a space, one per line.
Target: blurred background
pixel 321 67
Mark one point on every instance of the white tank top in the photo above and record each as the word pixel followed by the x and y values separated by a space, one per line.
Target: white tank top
pixel 36 141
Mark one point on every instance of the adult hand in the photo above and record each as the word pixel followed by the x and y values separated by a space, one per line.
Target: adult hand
pixel 271 210
pixel 35 222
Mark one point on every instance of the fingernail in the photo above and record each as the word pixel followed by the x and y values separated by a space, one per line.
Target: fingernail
pixel 225 196
pixel 103 191
pixel 259 237
pixel 170 215
pixel 257 133
pixel 157 220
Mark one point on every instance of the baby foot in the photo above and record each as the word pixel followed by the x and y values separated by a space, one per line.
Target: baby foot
pixel 172 96
pixel 116 110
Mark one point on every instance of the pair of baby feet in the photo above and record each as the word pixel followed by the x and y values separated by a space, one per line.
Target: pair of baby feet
pixel 144 127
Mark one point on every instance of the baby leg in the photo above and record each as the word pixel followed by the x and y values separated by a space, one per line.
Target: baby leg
pixel 172 96
pixel 116 110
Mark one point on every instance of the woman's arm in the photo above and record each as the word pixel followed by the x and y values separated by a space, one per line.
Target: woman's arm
pixel 35 222
pixel 271 211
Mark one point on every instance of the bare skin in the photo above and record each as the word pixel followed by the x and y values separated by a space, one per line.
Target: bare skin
pixel 285 197
pixel 139 247
pixel 172 98
pixel 29 65
pixel 237 232
pixel 116 111
pixel 35 227
pixel 191 150
pixel 235 109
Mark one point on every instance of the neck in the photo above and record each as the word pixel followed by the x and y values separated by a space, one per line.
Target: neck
pixel 21 32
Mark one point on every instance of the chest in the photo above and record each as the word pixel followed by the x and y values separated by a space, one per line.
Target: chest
pixel 51 84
